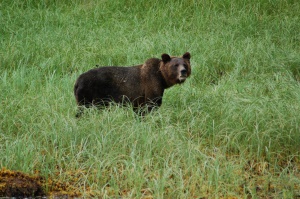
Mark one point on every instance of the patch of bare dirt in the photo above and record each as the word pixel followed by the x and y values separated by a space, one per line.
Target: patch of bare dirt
pixel 17 184
pixel 20 185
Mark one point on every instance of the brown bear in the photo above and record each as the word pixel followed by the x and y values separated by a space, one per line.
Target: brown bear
pixel 142 85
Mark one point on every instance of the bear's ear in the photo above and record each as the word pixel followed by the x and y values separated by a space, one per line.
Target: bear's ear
pixel 186 55
pixel 166 58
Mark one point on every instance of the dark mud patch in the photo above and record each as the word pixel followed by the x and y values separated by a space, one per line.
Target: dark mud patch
pixel 20 185
pixel 17 184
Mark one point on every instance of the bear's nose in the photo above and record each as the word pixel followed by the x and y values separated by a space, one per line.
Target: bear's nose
pixel 183 72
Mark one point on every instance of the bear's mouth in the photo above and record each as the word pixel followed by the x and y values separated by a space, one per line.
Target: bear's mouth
pixel 182 78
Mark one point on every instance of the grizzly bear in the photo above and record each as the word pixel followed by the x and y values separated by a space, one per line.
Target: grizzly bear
pixel 142 86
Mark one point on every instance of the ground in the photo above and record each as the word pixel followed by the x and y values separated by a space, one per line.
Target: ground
pixel 18 184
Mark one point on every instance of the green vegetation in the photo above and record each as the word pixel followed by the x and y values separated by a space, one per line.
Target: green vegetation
pixel 231 130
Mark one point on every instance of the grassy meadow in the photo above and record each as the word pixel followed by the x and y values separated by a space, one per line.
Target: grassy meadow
pixel 232 130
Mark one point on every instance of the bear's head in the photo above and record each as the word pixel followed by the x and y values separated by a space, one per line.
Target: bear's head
pixel 175 70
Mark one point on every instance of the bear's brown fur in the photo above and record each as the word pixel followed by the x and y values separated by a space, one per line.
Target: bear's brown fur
pixel 142 85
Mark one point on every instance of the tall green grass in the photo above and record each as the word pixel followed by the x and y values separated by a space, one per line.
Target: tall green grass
pixel 232 130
